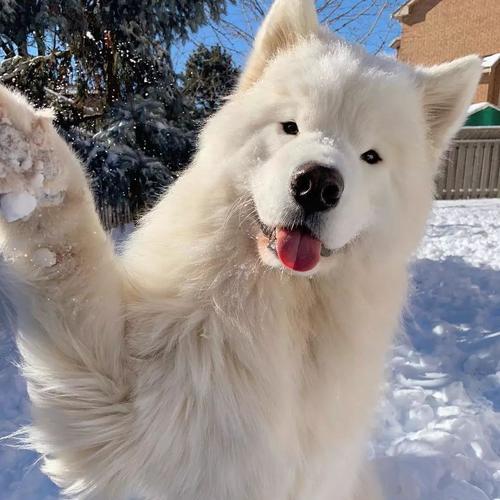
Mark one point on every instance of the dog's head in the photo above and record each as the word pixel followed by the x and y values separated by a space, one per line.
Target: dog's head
pixel 335 147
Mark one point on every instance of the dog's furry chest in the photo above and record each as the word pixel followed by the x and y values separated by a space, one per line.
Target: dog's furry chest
pixel 259 403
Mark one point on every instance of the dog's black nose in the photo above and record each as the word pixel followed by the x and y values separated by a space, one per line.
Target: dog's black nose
pixel 317 188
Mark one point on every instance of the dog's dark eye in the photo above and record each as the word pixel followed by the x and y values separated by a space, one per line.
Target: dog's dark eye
pixel 290 128
pixel 371 157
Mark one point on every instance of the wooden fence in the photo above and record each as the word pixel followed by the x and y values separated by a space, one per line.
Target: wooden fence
pixel 472 166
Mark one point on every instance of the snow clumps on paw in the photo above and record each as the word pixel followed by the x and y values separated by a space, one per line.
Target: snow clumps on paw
pixel 15 206
pixel 26 166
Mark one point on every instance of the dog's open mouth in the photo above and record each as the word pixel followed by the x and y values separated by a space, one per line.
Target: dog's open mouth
pixel 296 248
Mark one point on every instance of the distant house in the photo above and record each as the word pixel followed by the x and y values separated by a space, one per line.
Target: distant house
pixel 435 31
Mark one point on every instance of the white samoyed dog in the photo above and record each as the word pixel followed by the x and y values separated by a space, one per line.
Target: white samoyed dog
pixel 235 351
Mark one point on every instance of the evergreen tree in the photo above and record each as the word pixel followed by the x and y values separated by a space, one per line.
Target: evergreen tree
pixel 143 124
pixel 23 22
pixel 209 76
pixel 120 174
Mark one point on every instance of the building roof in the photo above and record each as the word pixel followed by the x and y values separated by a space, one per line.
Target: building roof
pixel 483 114
pixel 404 10
pixel 490 61
pixel 479 106
pixel 396 43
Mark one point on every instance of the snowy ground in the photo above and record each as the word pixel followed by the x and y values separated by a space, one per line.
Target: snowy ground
pixel 439 437
pixel 439 432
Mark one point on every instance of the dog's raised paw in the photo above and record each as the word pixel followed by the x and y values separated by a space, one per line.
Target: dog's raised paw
pixel 28 168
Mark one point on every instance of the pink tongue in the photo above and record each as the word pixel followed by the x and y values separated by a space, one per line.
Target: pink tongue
pixel 297 250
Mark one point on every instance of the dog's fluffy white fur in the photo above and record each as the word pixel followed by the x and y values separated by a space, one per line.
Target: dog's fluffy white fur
pixel 195 367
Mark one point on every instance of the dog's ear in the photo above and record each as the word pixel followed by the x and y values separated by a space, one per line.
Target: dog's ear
pixel 448 90
pixel 287 22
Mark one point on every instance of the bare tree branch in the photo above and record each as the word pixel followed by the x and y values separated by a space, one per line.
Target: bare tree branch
pixel 373 25
pixel 362 21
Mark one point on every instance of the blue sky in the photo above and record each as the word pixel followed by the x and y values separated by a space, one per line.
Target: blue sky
pixel 385 30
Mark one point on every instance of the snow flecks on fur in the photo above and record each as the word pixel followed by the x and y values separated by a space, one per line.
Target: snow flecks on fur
pixel 328 141
pixel 26 169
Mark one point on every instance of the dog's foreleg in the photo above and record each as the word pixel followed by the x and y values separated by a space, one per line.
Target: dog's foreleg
pixel 70 316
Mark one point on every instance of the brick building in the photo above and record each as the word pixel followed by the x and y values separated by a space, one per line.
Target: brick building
pixel 435 31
